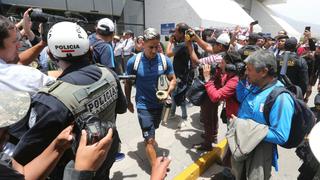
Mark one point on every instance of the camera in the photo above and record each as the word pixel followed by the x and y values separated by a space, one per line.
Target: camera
pixel 96 129
pixel 254 23
pixel 189 34
pixel 237 68
pixel 49 20
pixel 213 68
pixel 167 38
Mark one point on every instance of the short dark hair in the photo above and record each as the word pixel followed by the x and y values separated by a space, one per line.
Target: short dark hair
pixel 263 59
pixel 5 27
pixel 182 27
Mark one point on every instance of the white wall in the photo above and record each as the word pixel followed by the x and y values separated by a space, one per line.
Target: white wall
pixel 269 21
pixel 169 11
pixel 260 13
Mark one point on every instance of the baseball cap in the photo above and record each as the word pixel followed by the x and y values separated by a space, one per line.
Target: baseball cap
pixel 14 106
pixel 255 36
pixel 291 43
pixel 314 141
pixel 106 25
pixel 128 32
pixel 224 39
pixel 281 37
pixel 116 37
pixel 242 37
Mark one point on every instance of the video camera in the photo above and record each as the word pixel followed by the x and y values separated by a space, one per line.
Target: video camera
pixel 96 129
pixel 238 68
pixel 189 34
pixel 213 68
pixel 49 20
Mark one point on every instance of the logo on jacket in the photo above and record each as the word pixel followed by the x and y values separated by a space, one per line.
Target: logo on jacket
pixel 68 48
pixel 103 101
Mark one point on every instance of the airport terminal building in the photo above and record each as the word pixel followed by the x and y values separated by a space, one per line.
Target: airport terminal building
pixel 136 15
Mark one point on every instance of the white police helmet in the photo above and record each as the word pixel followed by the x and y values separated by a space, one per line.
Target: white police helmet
pixel 67 39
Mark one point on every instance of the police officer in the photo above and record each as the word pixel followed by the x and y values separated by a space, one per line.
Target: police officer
pixel 252 46
pixel 68 45
pixel 297 68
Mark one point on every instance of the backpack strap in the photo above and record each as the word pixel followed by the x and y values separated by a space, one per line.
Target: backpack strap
pixel 96 59
pixel 138 59
pixel 74 96
pixel 164 61
pixel 136 63
pixel 92 48
pixel 271 98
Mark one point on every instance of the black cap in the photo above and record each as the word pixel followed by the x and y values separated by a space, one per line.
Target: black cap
pixel 128 32
pixel 291 43
pixel 255 36
pixel 232 56
pixel 282 37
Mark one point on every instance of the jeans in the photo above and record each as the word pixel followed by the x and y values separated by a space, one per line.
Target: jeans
pixel 183 107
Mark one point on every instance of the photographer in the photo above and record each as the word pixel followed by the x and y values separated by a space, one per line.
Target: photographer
pixel 51 107
pixel 229 68
pixel 209 109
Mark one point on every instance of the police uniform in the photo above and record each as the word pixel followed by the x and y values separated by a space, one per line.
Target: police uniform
pixel 49 117
pixel 297 70
pixel 247 50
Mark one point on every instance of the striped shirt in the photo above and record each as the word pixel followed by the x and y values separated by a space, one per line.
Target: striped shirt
pixel 215 58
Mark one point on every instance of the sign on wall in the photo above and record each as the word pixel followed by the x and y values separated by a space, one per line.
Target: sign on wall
pixel 165 28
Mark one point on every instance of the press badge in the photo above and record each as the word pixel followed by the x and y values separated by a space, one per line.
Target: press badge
pixel 261 107
pixel 160 68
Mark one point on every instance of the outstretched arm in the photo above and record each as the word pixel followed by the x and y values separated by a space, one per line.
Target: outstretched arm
pixel 42 165
pixel 27 56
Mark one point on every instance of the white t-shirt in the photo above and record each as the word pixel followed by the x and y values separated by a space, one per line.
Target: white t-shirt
pixel 22 78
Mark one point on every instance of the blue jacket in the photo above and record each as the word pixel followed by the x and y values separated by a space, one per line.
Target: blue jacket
pixel 252 100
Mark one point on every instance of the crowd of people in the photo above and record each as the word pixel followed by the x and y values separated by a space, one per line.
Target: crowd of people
pixel 62 124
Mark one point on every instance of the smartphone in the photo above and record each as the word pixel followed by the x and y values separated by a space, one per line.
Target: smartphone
pixel 312 44
pixel 307 28
pixel 254 22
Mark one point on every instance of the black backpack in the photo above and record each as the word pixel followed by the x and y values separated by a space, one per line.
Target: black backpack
pixel 302 120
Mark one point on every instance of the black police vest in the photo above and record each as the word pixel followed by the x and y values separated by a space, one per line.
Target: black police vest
pixel 293 67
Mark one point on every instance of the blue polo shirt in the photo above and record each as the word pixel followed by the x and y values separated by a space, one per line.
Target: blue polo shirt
pixel 147 80
pixel 252 100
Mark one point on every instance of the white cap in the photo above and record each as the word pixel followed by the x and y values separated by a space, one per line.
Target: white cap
pixel 314 141
pixel 224 39
pixel 242 37
pixel 105 24
pixel 256 28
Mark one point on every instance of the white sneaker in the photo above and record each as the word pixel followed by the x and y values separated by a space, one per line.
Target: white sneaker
pixel 182 123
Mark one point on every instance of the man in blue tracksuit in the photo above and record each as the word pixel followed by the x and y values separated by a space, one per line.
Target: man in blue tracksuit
pixel 252 93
